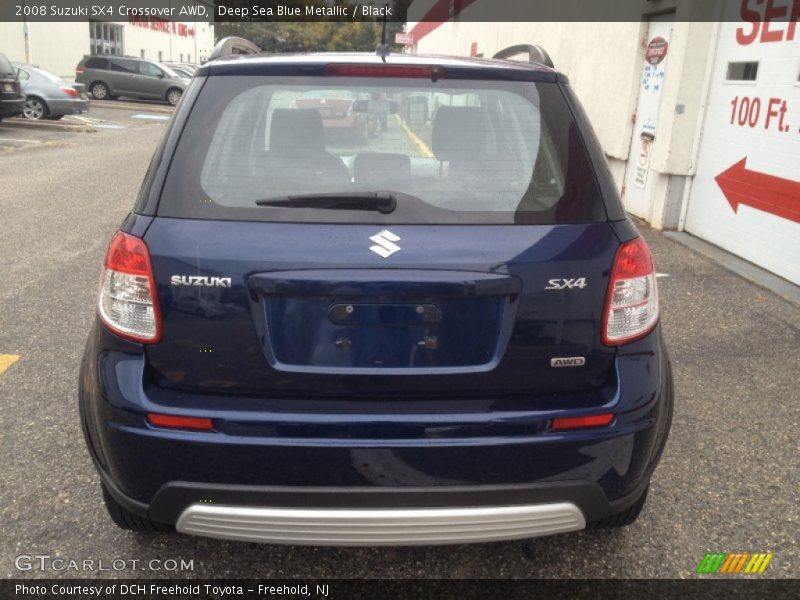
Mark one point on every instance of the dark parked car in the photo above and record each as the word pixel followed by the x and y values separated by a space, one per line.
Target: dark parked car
pixel 453 339
pixel 12 100
pixel 47 96
pixel 108 77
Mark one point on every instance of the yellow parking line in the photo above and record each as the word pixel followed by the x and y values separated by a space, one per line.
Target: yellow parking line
pixel 6 360
pixel 421 146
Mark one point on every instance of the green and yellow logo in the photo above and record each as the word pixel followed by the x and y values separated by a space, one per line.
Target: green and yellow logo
pixel 733 563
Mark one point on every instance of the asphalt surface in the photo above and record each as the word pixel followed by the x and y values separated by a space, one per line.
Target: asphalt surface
pixel 728 480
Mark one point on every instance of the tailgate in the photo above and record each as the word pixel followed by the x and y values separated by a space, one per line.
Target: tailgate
pixel 307 310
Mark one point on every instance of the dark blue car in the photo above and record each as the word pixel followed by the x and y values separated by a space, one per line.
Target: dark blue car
pixel 445 331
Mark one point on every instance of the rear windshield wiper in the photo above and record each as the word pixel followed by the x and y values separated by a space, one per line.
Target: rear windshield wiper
pixel 381 201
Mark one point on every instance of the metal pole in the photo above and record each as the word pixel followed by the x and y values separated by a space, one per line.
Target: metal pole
pixel 171 25
pixel 26 36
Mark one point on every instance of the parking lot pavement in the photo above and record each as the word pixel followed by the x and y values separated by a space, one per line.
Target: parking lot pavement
pixel 728 480
pixel 19 133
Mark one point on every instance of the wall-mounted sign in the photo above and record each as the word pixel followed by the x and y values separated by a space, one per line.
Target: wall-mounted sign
pixel 643 160
pixel 656 50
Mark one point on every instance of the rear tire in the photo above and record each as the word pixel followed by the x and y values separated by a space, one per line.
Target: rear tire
pixel 624 517
pixel 124 519
pixel 174 96
pixel 35 109
pixel 99 91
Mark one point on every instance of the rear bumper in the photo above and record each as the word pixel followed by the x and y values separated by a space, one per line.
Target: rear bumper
pixel 396 527
pixel 308 455
pixel 10 108
pixel 68 106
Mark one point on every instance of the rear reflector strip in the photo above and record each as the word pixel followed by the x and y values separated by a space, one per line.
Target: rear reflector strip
pixel 567 423
pixel 174 422
pixel 428 72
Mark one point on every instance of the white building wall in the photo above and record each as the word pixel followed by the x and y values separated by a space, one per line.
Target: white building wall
pixel 58 47
pixel 752 208
pixel 172 44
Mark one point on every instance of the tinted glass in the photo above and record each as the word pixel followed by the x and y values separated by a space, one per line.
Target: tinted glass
pixel 449 151
pixel 742 71
pixel 5 66
pixel 150 70
pixel 121 64
pixel 96 63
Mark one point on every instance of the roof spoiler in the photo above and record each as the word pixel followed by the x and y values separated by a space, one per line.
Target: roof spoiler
pixel 535 54
pixel 233 45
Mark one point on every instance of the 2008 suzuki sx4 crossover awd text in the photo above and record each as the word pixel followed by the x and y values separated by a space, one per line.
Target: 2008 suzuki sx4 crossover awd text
pixel 442 331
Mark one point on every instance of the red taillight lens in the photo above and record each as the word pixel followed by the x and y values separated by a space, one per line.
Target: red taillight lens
pixel 80 70
pixel 128 305
pixel 72 92
pixel 631 310
pixel 429 72
pixel 567 423
pixel 173 422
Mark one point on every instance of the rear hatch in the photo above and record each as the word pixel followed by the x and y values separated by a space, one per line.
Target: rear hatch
pixel 465 253
pixel 9 84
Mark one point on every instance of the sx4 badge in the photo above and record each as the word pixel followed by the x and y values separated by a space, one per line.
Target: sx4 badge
pixel 566 284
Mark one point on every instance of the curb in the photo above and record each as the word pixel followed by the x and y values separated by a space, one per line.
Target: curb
pixel 22 123
pixel 143 106
pixel 753 273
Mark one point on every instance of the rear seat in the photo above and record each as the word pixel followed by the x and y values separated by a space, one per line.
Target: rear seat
pixel 377 170
pixel 297 150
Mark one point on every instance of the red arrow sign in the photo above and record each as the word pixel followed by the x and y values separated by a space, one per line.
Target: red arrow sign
pixel 780 197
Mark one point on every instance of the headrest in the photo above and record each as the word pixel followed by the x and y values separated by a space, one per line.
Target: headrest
pixel 377 167
pixel 459 132
pixel 296 130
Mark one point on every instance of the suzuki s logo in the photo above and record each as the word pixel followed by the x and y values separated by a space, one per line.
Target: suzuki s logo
pixel 566 284
pixel 200 280
pixel 385 243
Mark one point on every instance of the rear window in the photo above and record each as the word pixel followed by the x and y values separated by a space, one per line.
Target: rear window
pixel 6 70
pixel 450 151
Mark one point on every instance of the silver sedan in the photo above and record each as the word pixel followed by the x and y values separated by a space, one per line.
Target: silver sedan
pixel 47 96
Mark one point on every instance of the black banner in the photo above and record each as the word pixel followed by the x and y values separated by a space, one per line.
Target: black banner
pixel 397 11
pixel 411 589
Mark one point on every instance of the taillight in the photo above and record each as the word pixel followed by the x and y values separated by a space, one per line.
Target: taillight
pixel 79 70
pixel 69 91
pixel 631 310
pixel 128 305
pixel 345 70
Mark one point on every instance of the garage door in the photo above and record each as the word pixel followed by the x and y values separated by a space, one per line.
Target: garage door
pixel 746 194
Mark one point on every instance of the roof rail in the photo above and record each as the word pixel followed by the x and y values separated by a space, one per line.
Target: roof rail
pixel 535 53
pixel 233 45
